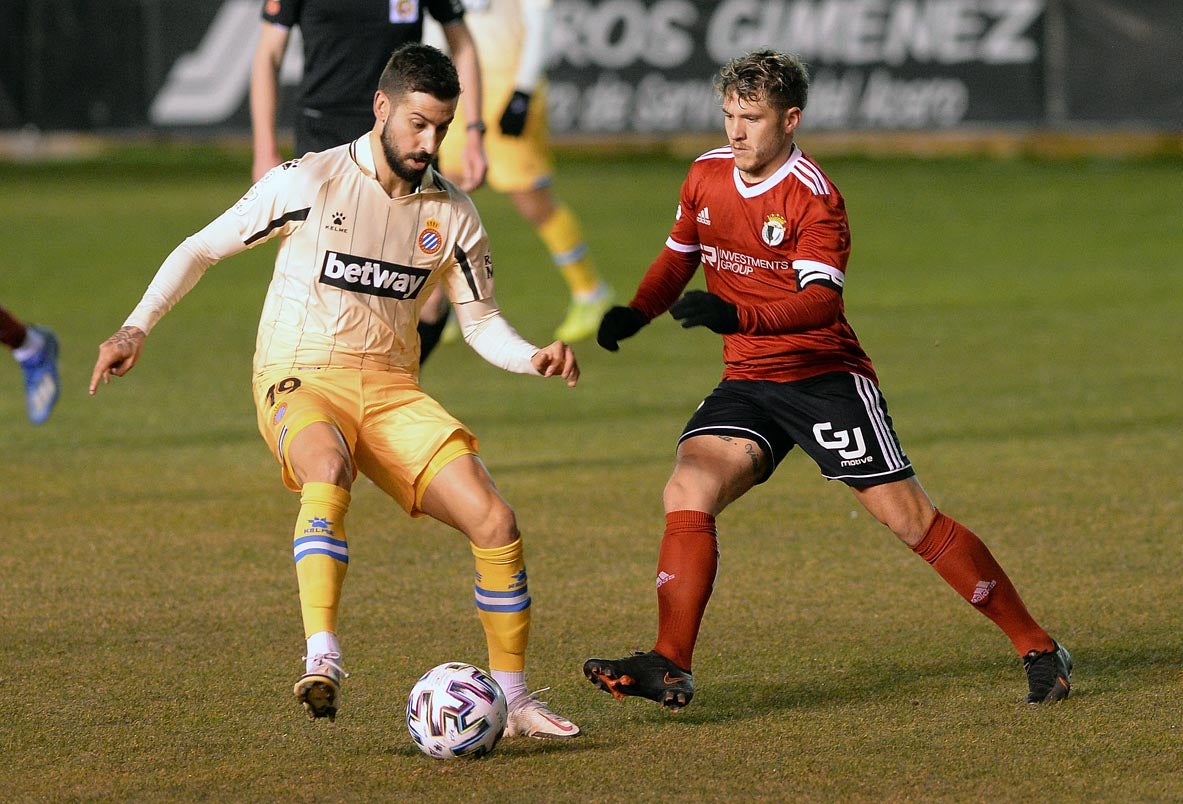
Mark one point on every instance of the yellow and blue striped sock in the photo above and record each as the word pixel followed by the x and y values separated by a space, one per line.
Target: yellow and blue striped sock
pixel 563 238
pixel 503 604
pixel 321 553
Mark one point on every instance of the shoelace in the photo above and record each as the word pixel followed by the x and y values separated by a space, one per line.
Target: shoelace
pixel 530 700
pixel 331 659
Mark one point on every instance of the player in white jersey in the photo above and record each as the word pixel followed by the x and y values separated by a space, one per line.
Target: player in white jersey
pixel 511 42
pixel 366 231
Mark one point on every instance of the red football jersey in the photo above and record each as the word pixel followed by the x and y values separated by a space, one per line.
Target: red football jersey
pixel 760 246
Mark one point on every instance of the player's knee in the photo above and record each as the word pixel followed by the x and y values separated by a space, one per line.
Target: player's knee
pixel 691 491
pixel 676 495
pixel 909 524
pixel 329 466
pixel 497 528
pixel 912 528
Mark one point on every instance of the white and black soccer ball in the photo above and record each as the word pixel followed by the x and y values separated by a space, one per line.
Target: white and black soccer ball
pixel 456 710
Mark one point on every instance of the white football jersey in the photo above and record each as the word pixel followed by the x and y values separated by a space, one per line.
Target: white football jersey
pixel 354 265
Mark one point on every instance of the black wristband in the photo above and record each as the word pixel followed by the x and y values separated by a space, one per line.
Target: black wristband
pixel 479 125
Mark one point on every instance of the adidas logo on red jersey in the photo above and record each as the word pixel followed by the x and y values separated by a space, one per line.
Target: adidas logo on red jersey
pixel 704 216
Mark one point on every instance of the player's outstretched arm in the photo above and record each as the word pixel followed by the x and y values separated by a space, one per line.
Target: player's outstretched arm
pixel 117 355
pixel 557 359
pixel 492 337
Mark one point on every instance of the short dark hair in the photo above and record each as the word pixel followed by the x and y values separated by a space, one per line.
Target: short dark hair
pixel 779 79
pixel 416 67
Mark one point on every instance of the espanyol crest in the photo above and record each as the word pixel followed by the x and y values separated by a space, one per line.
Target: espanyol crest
pixel 773 230
pixel 430 238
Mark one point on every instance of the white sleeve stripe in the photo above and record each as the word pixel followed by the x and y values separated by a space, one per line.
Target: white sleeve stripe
pixel 718 153
pixel 810 271
pixel 806 179
pixel 674 245
pixel 813 170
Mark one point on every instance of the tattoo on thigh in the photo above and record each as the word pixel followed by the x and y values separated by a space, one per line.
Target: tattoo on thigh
pixel 754 455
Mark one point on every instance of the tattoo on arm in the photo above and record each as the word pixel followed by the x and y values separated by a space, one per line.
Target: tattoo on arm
pixel 124 335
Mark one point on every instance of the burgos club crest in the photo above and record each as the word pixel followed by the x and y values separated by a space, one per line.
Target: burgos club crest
pixel 430 238
pixel 773 230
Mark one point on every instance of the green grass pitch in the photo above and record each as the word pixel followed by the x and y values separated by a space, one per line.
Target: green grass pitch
pixel 1024 317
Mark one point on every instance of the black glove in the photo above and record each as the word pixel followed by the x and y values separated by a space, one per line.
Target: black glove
pixel 619 323
pixel 513 119
pixel 697 308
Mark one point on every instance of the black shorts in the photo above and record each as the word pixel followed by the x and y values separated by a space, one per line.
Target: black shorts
pixel 839 419
pixel 318 131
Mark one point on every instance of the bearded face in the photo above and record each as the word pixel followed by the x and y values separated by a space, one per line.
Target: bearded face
pixel 407 166
pixel 412 133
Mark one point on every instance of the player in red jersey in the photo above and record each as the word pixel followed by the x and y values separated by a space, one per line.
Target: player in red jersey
pixel 770 229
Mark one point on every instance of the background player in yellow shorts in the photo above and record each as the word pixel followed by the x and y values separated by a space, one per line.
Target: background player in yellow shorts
pixel 511 41
pixel 367 230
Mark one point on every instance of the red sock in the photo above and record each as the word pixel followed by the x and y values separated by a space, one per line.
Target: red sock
pixel 12 330
pixel 966 564
pixel 686 568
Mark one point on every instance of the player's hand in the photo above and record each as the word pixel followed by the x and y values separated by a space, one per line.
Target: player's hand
pixel 619 323
pixel 476 164
pixel 117 355
pixel 697 308
pixel 513 119
pixel 557 359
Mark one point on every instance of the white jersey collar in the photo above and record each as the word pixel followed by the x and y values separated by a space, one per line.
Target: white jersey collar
pixel 776 178
pixel 363 153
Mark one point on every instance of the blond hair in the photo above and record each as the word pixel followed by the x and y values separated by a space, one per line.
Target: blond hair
pixel 779 79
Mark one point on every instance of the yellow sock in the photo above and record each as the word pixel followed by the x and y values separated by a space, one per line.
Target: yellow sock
pixel 563 238
pixel 503 604
pixel 322 554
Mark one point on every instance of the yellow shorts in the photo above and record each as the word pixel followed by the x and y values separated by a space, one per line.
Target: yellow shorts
pixel 398 436
pixel 515 163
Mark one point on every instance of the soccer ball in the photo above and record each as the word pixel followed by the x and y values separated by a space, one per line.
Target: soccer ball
pixel 456 710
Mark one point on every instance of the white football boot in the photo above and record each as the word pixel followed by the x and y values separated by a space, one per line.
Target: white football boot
pixel 319 687
pixel 530 717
